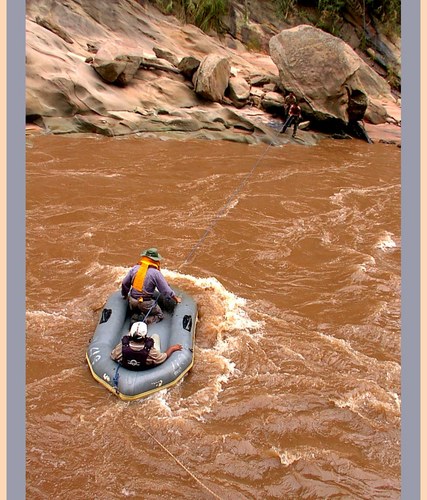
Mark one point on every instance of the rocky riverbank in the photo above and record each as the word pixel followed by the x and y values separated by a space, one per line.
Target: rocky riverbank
pixel 123 67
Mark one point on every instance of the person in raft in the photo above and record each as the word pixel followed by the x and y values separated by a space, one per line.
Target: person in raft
pixel 137 352
pixel 293 119
pixel 140 283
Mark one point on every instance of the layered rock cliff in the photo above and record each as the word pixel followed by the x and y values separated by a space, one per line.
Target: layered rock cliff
pixel 123 67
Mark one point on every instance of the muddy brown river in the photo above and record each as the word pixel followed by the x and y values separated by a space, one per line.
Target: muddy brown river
pixel 295 389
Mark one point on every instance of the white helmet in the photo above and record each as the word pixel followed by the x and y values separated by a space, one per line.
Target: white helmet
pixel 138 330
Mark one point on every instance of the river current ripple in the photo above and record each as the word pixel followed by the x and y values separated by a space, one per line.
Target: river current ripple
pixel 295 390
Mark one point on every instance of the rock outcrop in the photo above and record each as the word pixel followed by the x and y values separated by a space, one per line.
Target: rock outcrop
pixel 239 91
pixel 188 66
pixel 335 85
pixel 211 77
pixel 120 70
pixel 123 68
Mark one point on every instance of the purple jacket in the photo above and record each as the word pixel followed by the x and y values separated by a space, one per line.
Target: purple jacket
pixel 153 279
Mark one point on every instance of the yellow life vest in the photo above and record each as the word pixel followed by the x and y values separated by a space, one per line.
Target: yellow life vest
pixel 144 264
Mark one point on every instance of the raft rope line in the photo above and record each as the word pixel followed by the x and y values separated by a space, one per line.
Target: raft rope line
pixel 116 379
pixel 232 197
pixel 181 464
pixel 219 214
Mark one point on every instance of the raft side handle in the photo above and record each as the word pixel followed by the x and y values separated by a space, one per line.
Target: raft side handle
pixel 105 315
pixel 187 322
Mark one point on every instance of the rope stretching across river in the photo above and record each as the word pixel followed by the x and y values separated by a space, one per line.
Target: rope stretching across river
pixel 219 214
pixel 222 210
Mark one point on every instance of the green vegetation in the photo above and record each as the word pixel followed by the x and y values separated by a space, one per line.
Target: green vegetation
pixel 330 15
pixel 253 42
pixel 388 12
pixel 284 7
pixel 393 78
pixel 206 14
pixel 331 5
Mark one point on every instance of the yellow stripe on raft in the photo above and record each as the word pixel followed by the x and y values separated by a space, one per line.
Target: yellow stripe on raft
pixel 146 393
pixel 143 394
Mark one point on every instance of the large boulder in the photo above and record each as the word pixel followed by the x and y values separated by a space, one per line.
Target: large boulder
pixel 188 66
pixel 239 91
pixel 167 55
pixel 335 83
pixel 120 70
pixel 117 63
pixel 273 102
pixel 212 77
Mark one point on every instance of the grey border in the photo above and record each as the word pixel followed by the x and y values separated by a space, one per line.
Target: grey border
pixel 411 162
pixel 15 281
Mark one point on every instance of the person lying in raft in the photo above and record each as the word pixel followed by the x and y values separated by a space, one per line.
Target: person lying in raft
pixel 137 352
pixel 140 283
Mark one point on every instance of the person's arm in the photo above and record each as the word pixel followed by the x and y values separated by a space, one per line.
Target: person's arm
pixel 173 348
pixel 157 357
pixel 164 288
pixel 126 284
pixel 116 353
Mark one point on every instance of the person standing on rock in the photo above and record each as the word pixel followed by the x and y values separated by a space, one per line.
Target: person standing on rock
pixel 289 100
pixel 293 119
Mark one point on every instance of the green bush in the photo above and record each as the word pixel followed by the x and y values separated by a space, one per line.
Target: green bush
pixel 205 14
pixel 284 7
pixel 387 11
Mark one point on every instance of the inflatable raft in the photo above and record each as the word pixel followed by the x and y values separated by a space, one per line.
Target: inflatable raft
pixel 177 327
